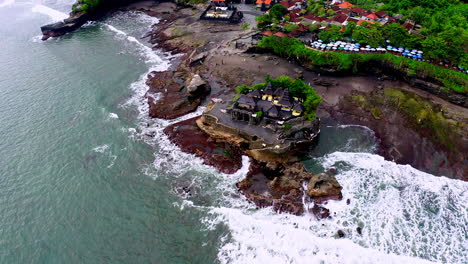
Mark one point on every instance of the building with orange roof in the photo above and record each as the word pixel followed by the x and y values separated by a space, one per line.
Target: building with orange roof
pixel 372 16
pixel 264 4
pixel 280 34
pixel 345 5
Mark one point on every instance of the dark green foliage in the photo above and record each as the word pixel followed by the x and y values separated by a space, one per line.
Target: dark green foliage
pixel 296 87
pixel 271 18
pixel 291 27
pixel 331 34
pixel 353 62
pixel 89 5
pixel 444 25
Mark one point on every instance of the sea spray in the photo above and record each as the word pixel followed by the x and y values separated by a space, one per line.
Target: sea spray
pixel 55 15
pixel 402 212
pixel 384 198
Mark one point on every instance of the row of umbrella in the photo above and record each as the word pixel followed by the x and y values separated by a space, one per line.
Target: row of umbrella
pixel 348 46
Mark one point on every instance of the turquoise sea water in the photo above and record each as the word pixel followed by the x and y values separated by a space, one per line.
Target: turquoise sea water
pixel 81 183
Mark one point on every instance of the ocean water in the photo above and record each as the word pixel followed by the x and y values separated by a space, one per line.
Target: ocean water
pixel 81 182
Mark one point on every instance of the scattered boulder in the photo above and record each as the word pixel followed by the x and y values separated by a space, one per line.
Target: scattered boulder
pixel 198 59
pixel 323 187
pixel 197 86
pixel 320 212
pixel 340 234
pixel 359 230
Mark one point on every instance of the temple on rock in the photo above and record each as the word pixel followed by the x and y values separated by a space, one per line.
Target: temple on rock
pixel 275 106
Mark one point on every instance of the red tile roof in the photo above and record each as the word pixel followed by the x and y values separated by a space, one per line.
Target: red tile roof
pixel 346 5
pixel 381 13
pixel 340 18
pixel 266 2
pixel 314 18
pixel 286 4
pixel 372 16
pixel 280 34
pixel 267 33
pixel 360 11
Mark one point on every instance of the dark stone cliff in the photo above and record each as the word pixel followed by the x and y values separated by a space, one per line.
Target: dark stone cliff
pixel 79 18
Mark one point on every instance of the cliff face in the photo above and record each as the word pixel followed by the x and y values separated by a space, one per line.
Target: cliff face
pixel 79 18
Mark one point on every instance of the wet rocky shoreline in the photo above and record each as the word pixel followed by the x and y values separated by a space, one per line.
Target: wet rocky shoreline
pixel 210 65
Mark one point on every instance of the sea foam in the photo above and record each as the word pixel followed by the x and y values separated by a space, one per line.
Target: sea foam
pixel 55 15
pixel 7 3
pixel 406 216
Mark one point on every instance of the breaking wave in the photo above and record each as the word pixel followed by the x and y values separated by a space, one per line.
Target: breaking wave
pixel 406 216
pixel 55 15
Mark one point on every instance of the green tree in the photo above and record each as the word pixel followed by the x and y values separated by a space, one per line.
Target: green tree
pixel 332 34
pixel 395 33
pixel 290 27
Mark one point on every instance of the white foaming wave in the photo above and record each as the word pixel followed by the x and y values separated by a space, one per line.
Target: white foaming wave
pixel 357 126
pixel 55 15
pixel 101 149
pixel 155 59
pixel 113 116
pixel 262 236
pixel 7 3
pixel 243 224
pixel 168 156
pixel 393 204
pixel 265 237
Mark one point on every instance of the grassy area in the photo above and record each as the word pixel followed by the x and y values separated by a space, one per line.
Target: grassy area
pixel 357 62
pixel 420 113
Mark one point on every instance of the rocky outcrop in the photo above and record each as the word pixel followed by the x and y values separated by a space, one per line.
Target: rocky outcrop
pixel 78 18
pixel 180 93
pixel 281 186
pixel 412 130
pixel 189 138
pixel 75 21
pixel 196 86
pixel 322 187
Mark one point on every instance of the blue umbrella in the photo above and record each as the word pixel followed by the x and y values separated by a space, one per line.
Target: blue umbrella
pixel 404 53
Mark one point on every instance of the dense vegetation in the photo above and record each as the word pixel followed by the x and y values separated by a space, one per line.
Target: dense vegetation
pixel 296 87
pixel 272 18
pixel 354 62
pixel 444 25
pixel 86 5
pixel 443 35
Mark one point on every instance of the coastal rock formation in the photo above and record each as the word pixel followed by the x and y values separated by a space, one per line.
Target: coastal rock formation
pixel 323 187
pixel 75 21
pixel 180 92
pixel 280 186
pixel 197 86
pixel 266 187
pixel 189 138
pixel 412 129
pixel 78 18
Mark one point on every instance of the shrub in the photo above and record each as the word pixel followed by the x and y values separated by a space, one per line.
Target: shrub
pixel 354 62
